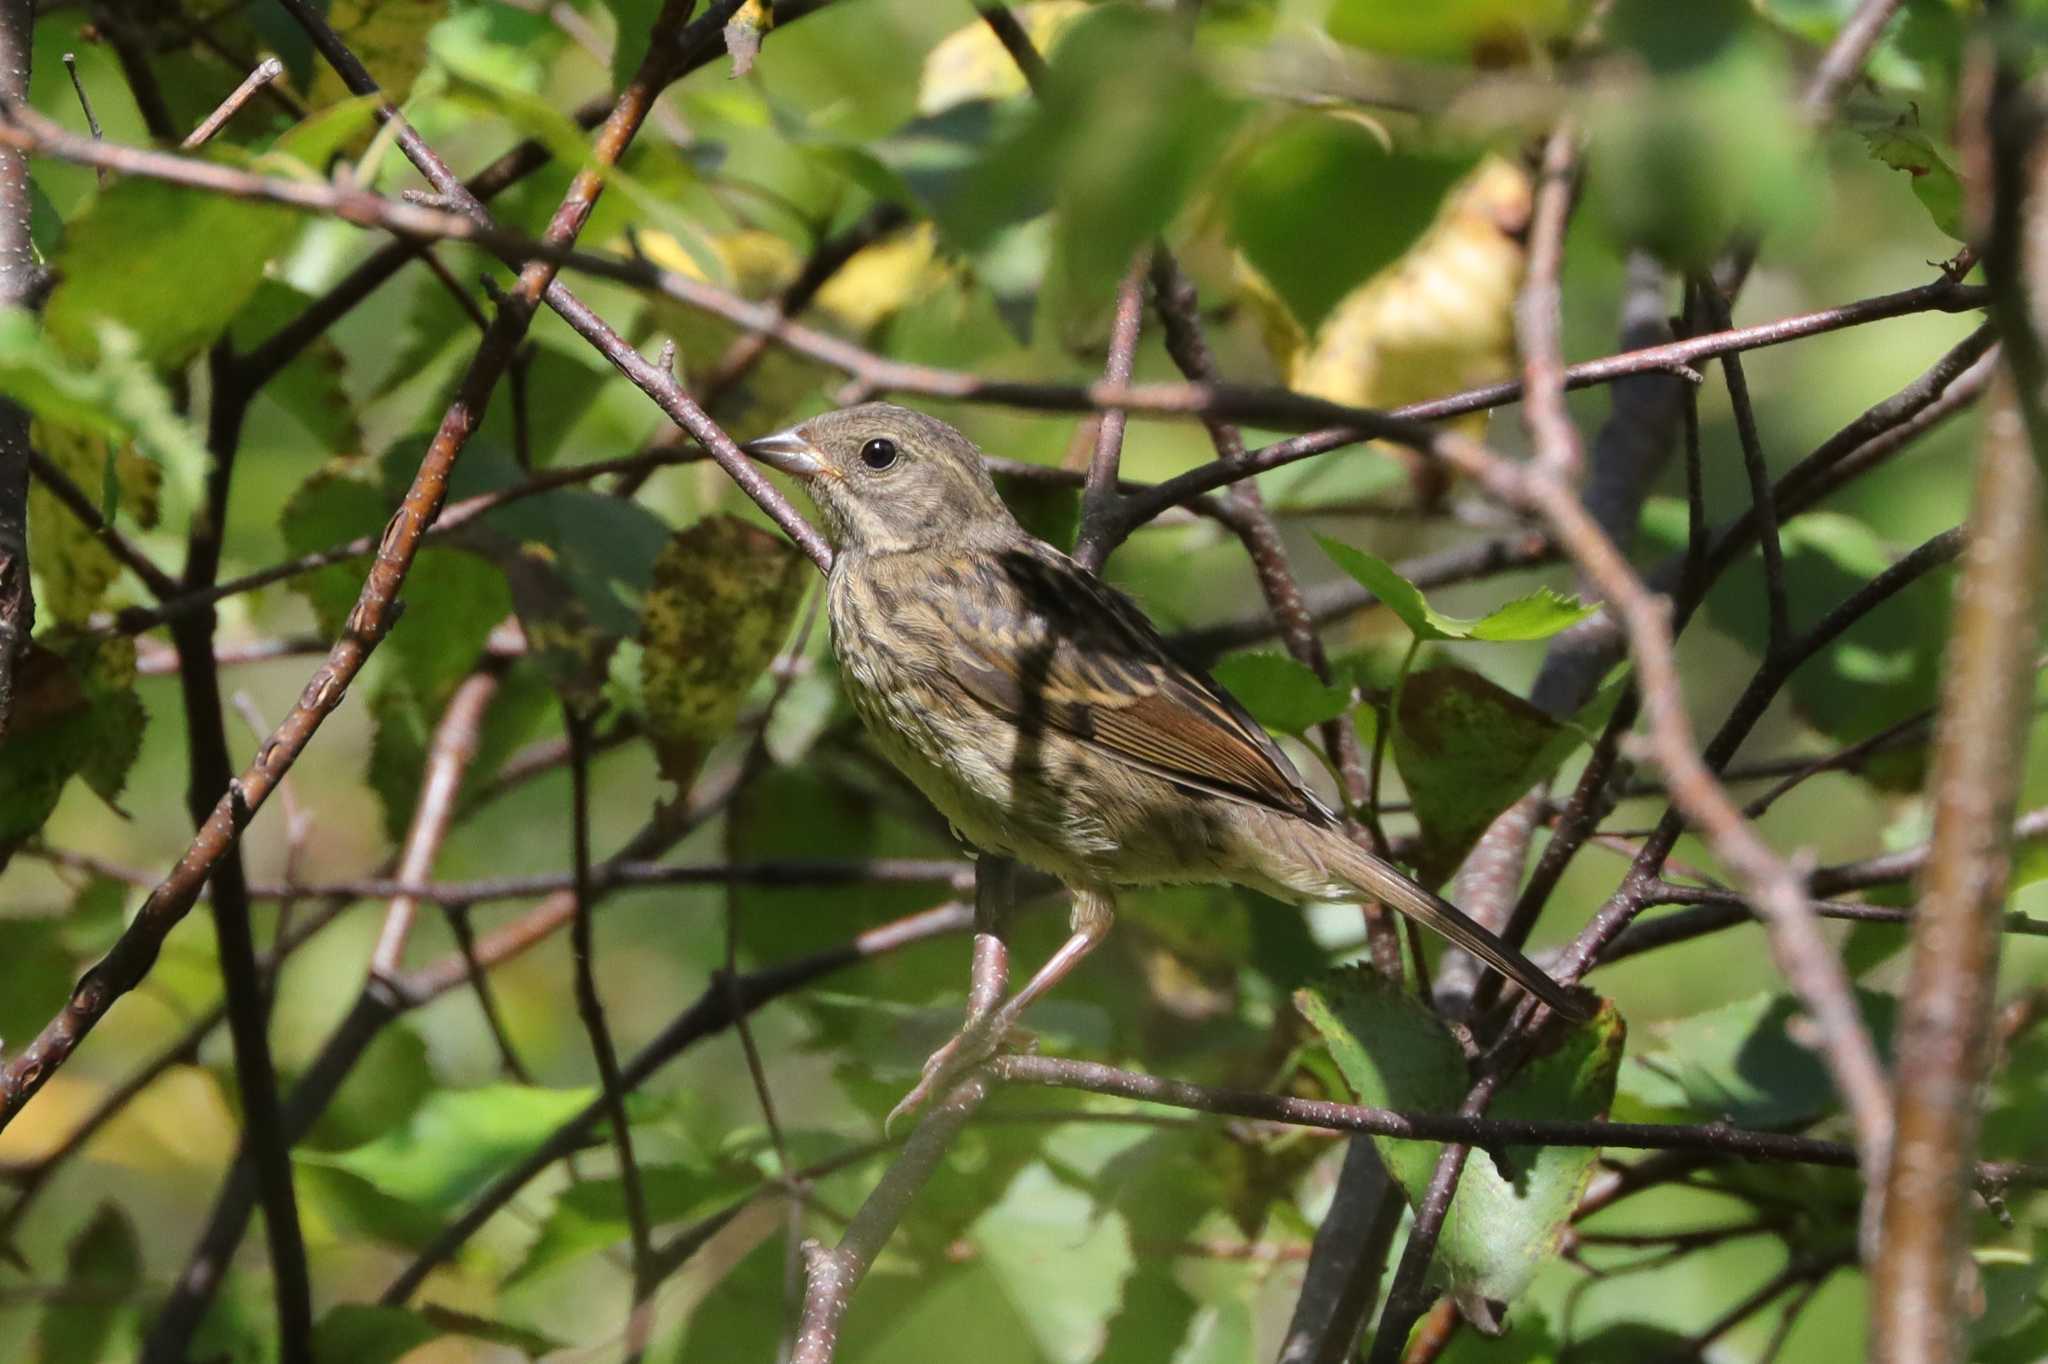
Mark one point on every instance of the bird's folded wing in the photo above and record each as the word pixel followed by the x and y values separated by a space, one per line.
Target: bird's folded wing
pixel 1059 651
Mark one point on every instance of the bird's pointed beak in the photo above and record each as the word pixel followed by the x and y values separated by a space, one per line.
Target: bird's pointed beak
pixel 789 452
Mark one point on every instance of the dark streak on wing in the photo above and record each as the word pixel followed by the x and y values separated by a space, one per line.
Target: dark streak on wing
pixel 1060 650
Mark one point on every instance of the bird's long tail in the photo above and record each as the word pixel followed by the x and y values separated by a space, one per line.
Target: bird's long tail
pixel 1329 852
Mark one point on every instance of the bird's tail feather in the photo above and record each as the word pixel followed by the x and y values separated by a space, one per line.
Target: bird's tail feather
pixel 1380 881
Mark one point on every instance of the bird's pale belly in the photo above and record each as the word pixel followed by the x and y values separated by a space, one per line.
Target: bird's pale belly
pixel 1042 799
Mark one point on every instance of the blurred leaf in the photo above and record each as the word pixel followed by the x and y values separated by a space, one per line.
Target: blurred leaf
pixel 1528 1340
pixel 1047 1244
pixel 1050 511
pixel 1440 317
pixel 591 1215
pixel 1503 1223
pixel 456 1141
pixel 1539 615
pixel 1467 750
pixel 1680 165
pixel 313 388
pixel 205 252
pixel 73 569
pixel 1321 204
pixel 451 599
pixel 1738 1063
pixel 1675 38
pixel 118 397
pixel 95 918
pixel 401 730
pixel 1281 693
pixel 1903 147
pixel 388 36
pixel 2013 1279
pixel 722 601
pixel 1882 669
pixel 40 973
pixel 1126 126
pixel 1454 30
pixel 971 63
pixel 76 715
pixel 102 1279
pixel 363 1333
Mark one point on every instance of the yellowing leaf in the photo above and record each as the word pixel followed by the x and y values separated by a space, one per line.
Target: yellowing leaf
pixel 73 569
pixel 1440 318
pixel 723 598
pixel 881 278
pixel 971 63
pixel 391 38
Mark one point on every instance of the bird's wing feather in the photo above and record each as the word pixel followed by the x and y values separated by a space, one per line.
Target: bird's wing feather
pixel 1054 647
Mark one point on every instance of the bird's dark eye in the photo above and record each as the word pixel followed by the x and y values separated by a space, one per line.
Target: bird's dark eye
pixel 878 453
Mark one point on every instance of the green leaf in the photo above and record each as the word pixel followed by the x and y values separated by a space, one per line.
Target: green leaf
pixel 1680 165
pixel 73 569
pixel 1903 147
pixel 76 715
pixel 102 1278
pixel 1048 1244
pixel 1882 669
pixel 1281 693
pixel 1126 126
pixel 1503 1223
pixel 592 1214
pixel 1453 30
pixel 390 38
pixel 117 397
pixel 1738 1063
pixel 363 1333
pixel 39 975
pixel 1467 750
pixel 456 1141
pixel 1539 615
pixel 205 255
pixel 723 599
pixel 1321 205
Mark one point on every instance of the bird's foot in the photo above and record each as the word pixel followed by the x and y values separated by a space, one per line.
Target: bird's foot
pixel 972 1046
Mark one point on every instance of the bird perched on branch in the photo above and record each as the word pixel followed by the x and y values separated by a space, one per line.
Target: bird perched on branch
pixel 1040 711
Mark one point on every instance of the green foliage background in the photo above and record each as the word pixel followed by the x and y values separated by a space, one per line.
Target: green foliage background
pixel 1039 1241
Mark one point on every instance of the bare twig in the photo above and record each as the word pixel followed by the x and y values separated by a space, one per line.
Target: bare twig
pixel 1921 1279
pixel 267 70
pixel 1099 498
pixel 1709 1138
pixel 449 754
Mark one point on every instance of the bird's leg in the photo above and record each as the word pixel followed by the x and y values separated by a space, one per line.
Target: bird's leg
pixel 986 1029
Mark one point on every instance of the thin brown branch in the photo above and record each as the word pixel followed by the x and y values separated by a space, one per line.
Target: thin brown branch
pixel 1099 500
pixel 1706 1138
pixel 267 70
pixel 590 1008
pixel 1919 1282
pixel 449 754
pixel 160 584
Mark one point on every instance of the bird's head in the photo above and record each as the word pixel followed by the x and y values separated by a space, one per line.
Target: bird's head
pixel 887 479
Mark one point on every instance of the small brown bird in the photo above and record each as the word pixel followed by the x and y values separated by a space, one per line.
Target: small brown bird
pixel 1040 711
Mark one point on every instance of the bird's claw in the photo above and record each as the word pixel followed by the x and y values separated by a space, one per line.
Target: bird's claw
pixel 971 1047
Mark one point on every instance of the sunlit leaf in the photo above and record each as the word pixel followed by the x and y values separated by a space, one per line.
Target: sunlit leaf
pixel 1739 1063
pixel 971 63
pixel 1904 147
pixel 1505 1221
pixel 1321 204
pixel 591 1214
pixel 1538 615
pixel 455 1141
pixel 205 253
pixel 1281 693
pixel 388 36
pixel 1454 30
